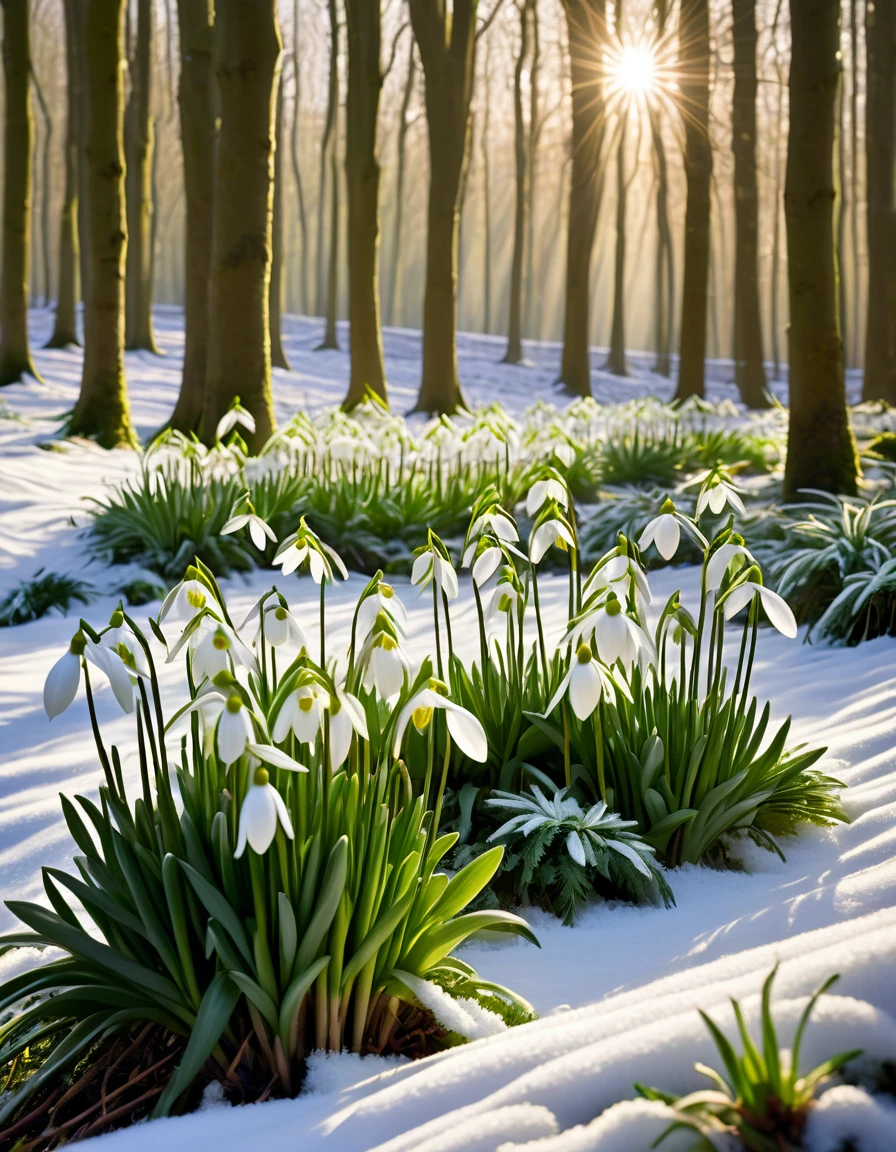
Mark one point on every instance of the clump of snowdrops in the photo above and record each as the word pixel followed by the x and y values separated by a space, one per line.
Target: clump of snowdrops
pixel 761 1097
pixel 271 884
pixel 647 722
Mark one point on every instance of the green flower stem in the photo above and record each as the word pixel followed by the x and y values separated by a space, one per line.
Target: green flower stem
pixel 537 604
pixel 567 769
pixel 435 620
pixel 483 642
pixel 100 746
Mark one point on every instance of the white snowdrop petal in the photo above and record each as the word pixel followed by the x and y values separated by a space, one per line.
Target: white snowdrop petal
pixel 467 732
pixel 778 611
pixel 61 685
pixel 422 568
pixel 668 536
pixel 739 598
pixel 584 689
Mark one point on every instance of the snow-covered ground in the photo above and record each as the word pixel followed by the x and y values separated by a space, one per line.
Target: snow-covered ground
pixel 618 993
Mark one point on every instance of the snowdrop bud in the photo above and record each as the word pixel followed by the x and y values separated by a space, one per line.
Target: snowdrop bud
pixel 116 620
pixel 225 679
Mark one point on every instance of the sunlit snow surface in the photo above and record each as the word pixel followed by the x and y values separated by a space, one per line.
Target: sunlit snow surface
pixel 618 994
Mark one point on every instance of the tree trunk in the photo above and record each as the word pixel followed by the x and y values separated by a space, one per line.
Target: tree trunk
pixel 15 355
pixel 140 206
pixel 196 99
pixel 447 43
pixel 880 157
pixel 821 451
pixel 749 367
pixel 694 58
pixel 278 356
pixel 45 191
pixel 304 257
pixel 485 164
pixel 247 63
pixel 102 410
pixel 65 327
pixel 328 270
pixel 586 24
pixel 616 362
pixel 400 168
pixel 531 295
pixel 514 353
pixel 854 175
pixel 664 277
pixel 362 171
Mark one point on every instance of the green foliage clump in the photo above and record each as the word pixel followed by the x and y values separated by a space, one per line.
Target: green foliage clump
pixel 45 592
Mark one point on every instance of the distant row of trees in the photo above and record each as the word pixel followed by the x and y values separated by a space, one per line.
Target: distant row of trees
pixel 230 104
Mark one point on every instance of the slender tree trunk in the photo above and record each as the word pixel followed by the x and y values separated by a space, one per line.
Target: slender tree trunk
pixel 749 366
pixel 196 99
pixel 247 63
pixel 842 214
pixel 140 208
pixel 400 169
pixel 586 24
pixel 305 255
pixel 821 451
pixel 362 171
pixel 854 175
pixel 102 410
pixel 447 43
pixel 46 188
pixel 328 258
pixel 776 225
pixel 664 284
pixel 514 352
pixel 278 356
pixel 694 59
pixel 880 159
pixel 485 165
pixel 616 361
pixel 531 294
pixel 15 355
pixel 65 328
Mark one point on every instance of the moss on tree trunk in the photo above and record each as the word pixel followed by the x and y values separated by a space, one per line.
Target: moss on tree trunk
pixel 820 451
pixel 65 331
pixel 102 410
pixel 197 129
pixel 694 57
pixel 362 171
pixel 586 26
pixel 239 348
pixel 15 355
pixel 749 367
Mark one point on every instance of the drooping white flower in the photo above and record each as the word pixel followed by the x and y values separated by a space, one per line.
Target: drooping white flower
pixel 715 493
pixel 503 600
pixel 465 729
pixel 260 813
pixel 719 562
pixel 61 685
pixel 258 529
pixel 387 666
pixel 776 608
pixel 304 546
pixel 430 566
pixel 235 416
pixel 382 599
pixel 346 718
pixel 214 645
pixel 301 713
pixel 496 520
pixel 552 532
pixel 235 730
pixel 664 531
pixel 544 490
pixel 618 570
pixel 281 627
pixel 186 599
pixel 118 638
pixel 612 632
pixel 586 682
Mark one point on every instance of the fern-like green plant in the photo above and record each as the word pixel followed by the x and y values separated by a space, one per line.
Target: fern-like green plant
pixel 44 593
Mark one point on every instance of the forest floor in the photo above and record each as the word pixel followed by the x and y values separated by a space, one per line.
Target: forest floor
pixel 618 993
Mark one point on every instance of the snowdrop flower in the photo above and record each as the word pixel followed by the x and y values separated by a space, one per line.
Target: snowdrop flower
pixel 346 718
pixel 260 813
pixel 387 665
pixel 214 645
pixel 281 627
pixel 381 598
pixel 301 713
pixel 235 730
pixel 776 608
pixel 717 491
pixel 243 515
pixel 64 678
pixel 465 729
pixel 431 566
pixel 504 599
pixel 485 557
pixel 304 546
pixel 664 531
pixel 497 521
pixel 617 570
pixel 118 638
pixel 720 560
pixel 544 490
pixel 235 416
pixel 186 599
pixel 612 632
pixel 586 682
pixel 553 531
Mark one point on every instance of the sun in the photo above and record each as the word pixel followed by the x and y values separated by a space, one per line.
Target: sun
pixel 636 70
